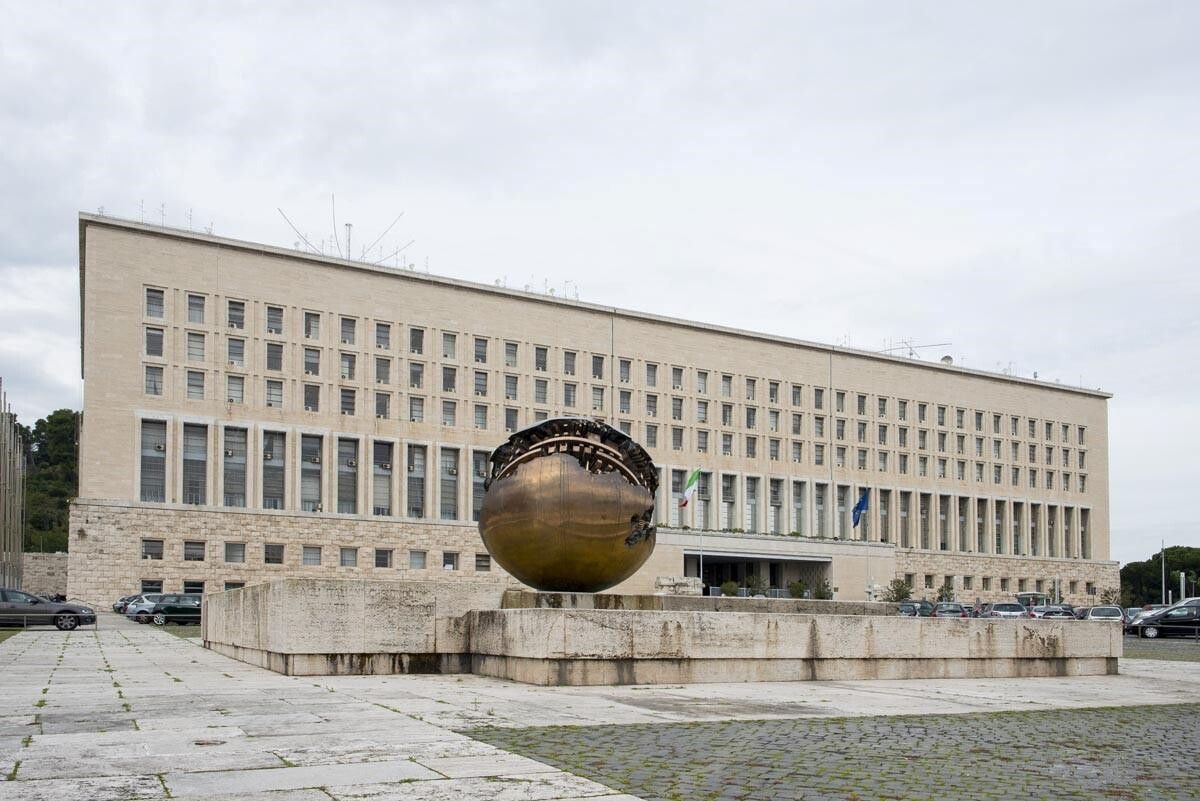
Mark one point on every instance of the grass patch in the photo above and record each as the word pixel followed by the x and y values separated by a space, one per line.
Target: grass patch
pixel 179 630
pixel 6 633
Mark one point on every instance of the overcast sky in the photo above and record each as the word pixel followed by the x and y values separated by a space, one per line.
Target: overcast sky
pixel 1019 179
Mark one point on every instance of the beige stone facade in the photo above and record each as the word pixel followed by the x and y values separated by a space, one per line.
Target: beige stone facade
pixel 44 573
pixel 308 400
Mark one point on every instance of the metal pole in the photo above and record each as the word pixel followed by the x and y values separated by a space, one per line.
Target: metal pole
pixel 1163 560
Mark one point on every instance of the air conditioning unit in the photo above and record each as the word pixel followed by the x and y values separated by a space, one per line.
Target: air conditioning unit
pixel 415 420
pixel 676 386
pixel 234 325
pixel 347 341
pixel 160 447
pixel 351 463
pixel 315 459
pixel 411 385
pixel 310 408
pixel 412 468
pixel 228 454
pixel 309 372
pixel 380 416
pixel 272 404
pixel 347 412
pixel 381 346
pixel 481 473
pixel 480 393
pixel 379 380
pixel 268 456
pixel 385 465
pixel 597 407
pixel 414 350
pixel 233 364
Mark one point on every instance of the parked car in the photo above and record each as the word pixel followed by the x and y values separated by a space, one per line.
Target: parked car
pixel 176 609
pixel 1174 621
pixel 22 609
pixel 949 609
pixel 1081 612
pixel 908 609
pixel 1013 609
pixel 141 607
pixel 120 604
pixel 1059 613
pixel 1105 613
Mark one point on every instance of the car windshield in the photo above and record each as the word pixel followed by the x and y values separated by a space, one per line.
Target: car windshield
pixel 1106 612
pixel 1008 608
pixel 949 607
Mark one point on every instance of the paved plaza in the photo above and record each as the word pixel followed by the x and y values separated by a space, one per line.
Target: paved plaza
pixel 131 712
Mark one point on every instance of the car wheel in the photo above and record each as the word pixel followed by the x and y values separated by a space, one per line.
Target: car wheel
pixel 66 622
pixel 1150 632
pixel 142 617
pixel 160 619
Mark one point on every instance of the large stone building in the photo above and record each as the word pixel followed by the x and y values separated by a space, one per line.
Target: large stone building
pixel 253 412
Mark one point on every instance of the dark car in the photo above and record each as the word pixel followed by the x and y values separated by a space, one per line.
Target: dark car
pixel 1176 621
pixel 176 609
pixel 22 609
pixel 908 609
pixel 924 608
pixel 949 609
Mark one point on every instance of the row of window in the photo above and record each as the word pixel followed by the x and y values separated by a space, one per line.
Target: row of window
pixel 882 407
pixel 275 553
pixel 1004 583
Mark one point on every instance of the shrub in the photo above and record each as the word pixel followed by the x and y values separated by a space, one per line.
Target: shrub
pixel 729 588
pixel 897 590
pixel 796 589
pixel 756 584
pixel 823 591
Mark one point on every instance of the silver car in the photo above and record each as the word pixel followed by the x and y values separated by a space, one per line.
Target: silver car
pixel 1007 610
pixel 1105 613
pixel 139 608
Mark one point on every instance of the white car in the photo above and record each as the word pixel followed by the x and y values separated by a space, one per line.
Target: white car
pixel 140 607
pixel 1105 613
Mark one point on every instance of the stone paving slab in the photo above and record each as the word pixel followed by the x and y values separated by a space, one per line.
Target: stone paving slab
pixel 293 778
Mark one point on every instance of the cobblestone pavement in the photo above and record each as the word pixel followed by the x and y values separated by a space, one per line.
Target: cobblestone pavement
pixel 1127 753
pixel 1175 649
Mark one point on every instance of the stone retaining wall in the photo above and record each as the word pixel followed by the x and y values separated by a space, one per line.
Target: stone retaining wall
pixel 44 573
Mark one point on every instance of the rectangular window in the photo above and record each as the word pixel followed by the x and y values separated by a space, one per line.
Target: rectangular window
pixel 449 560
pixel 311 555
pixel 510 354
pixel 236 349
pixel 481 417
pixel 195 385
pixel 195 305
pixel 154 342
pixel 154 380
pixel 383 370
pixel 274 319
pixel 598 367
pixel 193 551
pixel 449 379
pixel 510 387
pixel 349 401
pixel 416 560
pixel 651 436
pixel 273 553
pixel 273 469
pixel 483 563
pixel 274 356
pixel 481 350
pixel 383 336
pixel 624 368
pixel 347 477
pixel 510 420
pixel 310 473
pixel 381 478
pixel 416 340
pixel 540 357
pixel 312 398
pixel 701 441
pixel 348 557
pixel 348 364
pixel 152 549
pixel 312 325
pixel 481 383
pixel 275 394
pixel 449 413
pixel 479 462
pixel 416 410
pixel 235 389
pixel 416 480
pixel 651 375
pixel 235 552
pixel 154 303
pixel 569 391
pixel 234 467
pixel 349 330
pixel 383 557
pixel 195 347
pixel 195 464
pixel 448 484
pixel 449 345
pixel 416 375
pixel 598 400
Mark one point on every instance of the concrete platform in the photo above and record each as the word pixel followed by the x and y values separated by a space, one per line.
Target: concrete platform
pixel 322 627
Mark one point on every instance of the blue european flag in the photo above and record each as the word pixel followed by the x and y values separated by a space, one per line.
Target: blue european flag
pixel 859 508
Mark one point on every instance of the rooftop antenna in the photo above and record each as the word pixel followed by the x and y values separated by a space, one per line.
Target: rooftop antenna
pixel 333 214
pixel 349 252
pixel 100 210
pixel 381 236
pixel 162 214
pixel 907 345
pixel 303 238
pixel 142 209
pixel 189 218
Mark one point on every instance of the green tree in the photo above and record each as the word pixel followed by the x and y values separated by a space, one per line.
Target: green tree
pixel 729 588
pixel 1143 580
pixel 823 591
pixel 756 584
pixel 52 480
pixel 945 592
pixel 897 590
pixel 796 589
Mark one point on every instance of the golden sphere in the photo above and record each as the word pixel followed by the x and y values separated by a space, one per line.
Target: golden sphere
pixel 569 506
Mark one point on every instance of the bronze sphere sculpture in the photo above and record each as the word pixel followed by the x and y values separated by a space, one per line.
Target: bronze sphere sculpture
pixel 568 506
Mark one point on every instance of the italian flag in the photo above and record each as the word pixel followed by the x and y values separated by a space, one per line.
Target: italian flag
pixel 689 489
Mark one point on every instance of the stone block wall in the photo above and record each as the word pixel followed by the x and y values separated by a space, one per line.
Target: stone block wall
pixel 979 570
pixel 44 573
